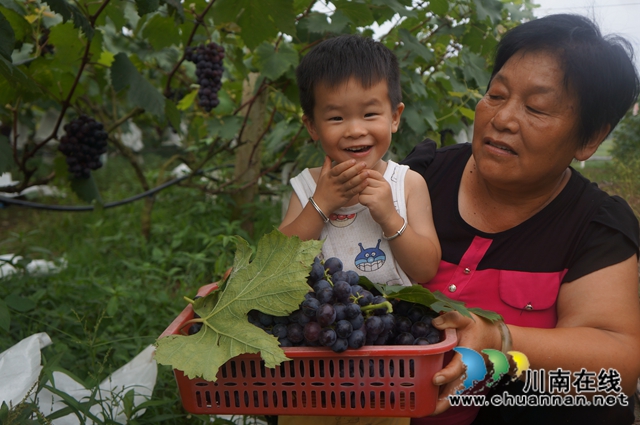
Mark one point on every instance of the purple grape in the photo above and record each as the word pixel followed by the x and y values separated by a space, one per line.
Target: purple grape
pixel 325 296
pixel 340 311
pixel 421 341
pixel 312 331
pixel 340 345
pixel 356 339
pixel 416 312
pixel 357 322
pixel 279 330
pixel 420 330
pixel 374 325
pixel 326 315
pixel 389 322
pixel 351 311
pixel 320 285
pixel 365 298
pixel 340 275
pixel 317 271
pixel 404 338
pixel 342 291
pixel 343 328
pixel 354 278
pixel 295 332
pixel 327 337
pixel 403 324
pixel 309 307
pixel 332 265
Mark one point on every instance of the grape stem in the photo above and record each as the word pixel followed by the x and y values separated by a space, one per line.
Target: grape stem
pixel 385 304
pixel 189 300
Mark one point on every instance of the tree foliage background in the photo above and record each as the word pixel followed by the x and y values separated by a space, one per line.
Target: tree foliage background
pixel 124 64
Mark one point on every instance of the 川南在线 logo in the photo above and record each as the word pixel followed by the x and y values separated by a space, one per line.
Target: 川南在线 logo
pixel 476 370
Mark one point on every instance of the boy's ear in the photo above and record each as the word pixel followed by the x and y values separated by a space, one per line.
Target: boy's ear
pixel 395 117
pixel 311 128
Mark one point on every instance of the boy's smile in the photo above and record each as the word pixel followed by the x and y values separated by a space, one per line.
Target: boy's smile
pixel 353 122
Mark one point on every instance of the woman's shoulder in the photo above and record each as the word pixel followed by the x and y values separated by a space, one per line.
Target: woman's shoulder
pixel 607 209
pixel 427 156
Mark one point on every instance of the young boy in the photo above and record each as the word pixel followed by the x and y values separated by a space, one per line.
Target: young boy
pixel 374 215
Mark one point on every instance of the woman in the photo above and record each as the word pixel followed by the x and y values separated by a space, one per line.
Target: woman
pixel 525 235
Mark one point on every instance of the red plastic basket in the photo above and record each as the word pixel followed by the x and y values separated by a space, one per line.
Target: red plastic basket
pixel 383 381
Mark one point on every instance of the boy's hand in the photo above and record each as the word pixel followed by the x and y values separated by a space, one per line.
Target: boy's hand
pixel 378 198
pixel 337 185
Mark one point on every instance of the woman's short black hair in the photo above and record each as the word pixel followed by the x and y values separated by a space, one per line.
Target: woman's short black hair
pixel 599 70
pixel 335 60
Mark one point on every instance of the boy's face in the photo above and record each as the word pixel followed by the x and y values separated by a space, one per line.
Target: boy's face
pixel 353 122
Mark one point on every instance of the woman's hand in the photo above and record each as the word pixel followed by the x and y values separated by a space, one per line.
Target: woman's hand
pixel 477 334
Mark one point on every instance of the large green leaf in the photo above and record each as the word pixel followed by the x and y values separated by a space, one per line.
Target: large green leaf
pixel 147 6
pixel 398 7
pixel 273 282
pixel 68 44
pixel 436 300
pixel 259 20
pixel 7 37
pixel 275 63
pixel 86 189
pixel 358 13
pixel 71 11
pixel 12 74
pixel 439 7
pixel 161 32
pixel 413 45
pixel 141 92
pixel 488 9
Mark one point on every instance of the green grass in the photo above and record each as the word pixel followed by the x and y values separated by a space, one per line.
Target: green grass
pixel 119 291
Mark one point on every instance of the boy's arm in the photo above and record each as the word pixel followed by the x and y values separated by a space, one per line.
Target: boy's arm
pixel 417 250
pixel 306 223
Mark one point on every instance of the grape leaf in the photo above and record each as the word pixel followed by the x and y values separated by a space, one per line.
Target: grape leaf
pixel 273 282
pixel 437 301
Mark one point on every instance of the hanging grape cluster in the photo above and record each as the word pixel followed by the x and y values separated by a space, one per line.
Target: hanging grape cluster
pixel 340 313
pixel 209 69
pixel 83 143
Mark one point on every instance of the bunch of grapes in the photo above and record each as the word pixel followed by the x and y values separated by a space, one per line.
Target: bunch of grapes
pixel 209 69
pixel 339 313
pixel 83 143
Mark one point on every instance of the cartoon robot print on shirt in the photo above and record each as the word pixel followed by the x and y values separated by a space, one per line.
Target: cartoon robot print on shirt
pixel 370 259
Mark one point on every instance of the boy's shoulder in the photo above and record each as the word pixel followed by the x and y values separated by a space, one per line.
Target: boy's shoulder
pixel 414 183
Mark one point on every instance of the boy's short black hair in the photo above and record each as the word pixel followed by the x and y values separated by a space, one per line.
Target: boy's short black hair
pixel 335 60
pixel 598 70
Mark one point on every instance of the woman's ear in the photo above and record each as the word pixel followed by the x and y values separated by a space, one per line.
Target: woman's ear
pixel 311 128
pixel 584 152
pixel 395 117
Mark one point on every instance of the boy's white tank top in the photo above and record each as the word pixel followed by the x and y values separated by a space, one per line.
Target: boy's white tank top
pixel 354 237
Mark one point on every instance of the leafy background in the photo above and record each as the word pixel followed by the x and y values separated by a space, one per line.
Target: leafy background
pixel 123 63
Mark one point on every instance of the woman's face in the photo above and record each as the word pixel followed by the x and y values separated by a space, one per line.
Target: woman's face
pixel 524 133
